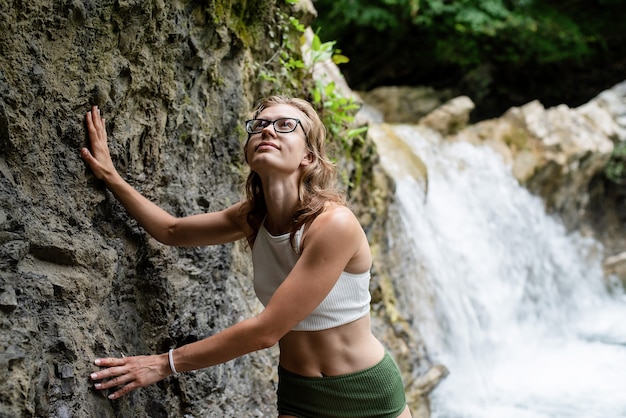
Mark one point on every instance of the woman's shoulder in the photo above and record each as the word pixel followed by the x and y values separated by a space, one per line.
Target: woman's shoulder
pixel 337 218
pixel 335 229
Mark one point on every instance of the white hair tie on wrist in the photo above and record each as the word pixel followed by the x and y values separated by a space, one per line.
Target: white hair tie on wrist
pixel 170 355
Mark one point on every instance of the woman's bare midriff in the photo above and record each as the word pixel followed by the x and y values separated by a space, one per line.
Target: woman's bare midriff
pixel 332 352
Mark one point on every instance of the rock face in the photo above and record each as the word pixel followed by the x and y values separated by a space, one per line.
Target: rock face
pixel 405 104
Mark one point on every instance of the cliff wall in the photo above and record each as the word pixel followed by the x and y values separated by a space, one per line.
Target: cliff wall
pixel 78 278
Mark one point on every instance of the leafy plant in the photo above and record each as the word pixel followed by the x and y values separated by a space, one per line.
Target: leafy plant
pixel 336 110
pixel 615 169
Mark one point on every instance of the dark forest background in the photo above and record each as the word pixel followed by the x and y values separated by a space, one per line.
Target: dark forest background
pixel 499 53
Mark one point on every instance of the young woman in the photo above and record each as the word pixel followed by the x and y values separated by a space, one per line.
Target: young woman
pixel 311 264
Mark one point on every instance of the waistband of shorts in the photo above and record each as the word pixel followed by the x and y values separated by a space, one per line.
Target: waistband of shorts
pixel 386 359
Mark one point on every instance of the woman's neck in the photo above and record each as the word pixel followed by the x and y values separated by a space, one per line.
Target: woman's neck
pixel 281 201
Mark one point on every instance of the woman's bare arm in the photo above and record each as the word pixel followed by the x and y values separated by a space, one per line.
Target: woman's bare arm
pixel 204 229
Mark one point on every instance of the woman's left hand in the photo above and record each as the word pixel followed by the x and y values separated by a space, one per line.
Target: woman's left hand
pixel 130 373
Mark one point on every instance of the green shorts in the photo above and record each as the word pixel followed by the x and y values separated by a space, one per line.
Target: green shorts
pixel 376 392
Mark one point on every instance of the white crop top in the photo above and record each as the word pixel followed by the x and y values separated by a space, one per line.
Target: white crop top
pixel 273 258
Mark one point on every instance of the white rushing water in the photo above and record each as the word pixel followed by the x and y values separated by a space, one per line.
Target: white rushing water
pixel 515 307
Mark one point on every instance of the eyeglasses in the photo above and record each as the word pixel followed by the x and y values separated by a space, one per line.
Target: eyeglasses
pixel 282 125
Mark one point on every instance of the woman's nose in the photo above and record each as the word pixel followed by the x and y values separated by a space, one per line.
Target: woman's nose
pixel 270 127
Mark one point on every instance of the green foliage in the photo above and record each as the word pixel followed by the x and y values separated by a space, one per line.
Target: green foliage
pixel 517 34
pixel 615 170
pixel 336 110
pixel 466 33
pixel 380 15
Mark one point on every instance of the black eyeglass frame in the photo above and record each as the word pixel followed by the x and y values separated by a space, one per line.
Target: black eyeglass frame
pixel 273 122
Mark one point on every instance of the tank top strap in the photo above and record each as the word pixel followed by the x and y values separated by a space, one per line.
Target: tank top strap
pixel 298 238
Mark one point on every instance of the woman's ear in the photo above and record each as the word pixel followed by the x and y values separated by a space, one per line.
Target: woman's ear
pixel 307 158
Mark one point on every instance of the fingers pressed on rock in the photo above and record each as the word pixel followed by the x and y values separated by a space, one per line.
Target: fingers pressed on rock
pixel 123 391
pixel 108 372
pixel 116 381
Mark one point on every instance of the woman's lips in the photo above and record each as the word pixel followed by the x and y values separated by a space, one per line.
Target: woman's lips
pixel 265 145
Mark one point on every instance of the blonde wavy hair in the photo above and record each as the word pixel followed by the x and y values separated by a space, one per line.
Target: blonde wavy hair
pixel 317 184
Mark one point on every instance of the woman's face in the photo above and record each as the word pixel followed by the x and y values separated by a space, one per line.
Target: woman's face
pixel 271 146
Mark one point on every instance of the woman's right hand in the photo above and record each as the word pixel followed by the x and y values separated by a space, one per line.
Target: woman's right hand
pixel 99 158
pixel 129 373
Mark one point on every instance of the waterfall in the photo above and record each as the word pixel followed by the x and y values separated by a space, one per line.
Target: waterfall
pixel 511 303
